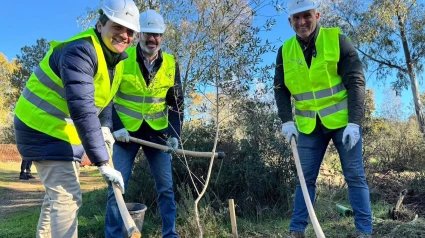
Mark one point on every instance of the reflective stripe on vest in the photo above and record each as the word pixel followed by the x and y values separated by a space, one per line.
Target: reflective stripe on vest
pixel 42 105
pixel 136 102
pixel 140 99
pixel 318 90
pixel 324 112
pixel 320 94
pixel 139 116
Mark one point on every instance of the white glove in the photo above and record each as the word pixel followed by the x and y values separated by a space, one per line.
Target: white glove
pixel 122 135
pixel 351 136
pixel 289 130
pixel 112 176
pixel 172 144
pixel 107 136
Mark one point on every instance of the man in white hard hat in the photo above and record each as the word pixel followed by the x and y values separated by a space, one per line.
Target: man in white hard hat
pixel 66 110
pixel 149 106
pixel 321 70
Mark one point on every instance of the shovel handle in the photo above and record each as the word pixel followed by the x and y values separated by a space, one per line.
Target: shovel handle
pixel 306 195
pixel 218 155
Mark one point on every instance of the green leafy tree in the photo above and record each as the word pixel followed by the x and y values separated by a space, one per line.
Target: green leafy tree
pixel 29 59
pixel 7 70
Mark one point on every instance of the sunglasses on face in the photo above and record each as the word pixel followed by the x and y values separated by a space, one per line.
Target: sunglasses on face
pixel 155 35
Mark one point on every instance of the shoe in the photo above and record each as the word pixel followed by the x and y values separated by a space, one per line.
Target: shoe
pixel 296 234
pixel 363 235
pixel 29 175
pixel 23 176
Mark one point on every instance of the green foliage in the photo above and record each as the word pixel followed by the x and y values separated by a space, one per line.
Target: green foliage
pixel 29 59
pixel 258 172
pixel 7 92
pixel 389 228
pixel 14 77
pixel 395 145
pixel 417 185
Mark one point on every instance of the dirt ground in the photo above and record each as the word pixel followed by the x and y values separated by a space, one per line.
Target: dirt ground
pixel 18 195
pixel 387 186
pixel 390 184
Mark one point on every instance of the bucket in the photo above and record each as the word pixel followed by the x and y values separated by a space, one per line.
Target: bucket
pixel 137 213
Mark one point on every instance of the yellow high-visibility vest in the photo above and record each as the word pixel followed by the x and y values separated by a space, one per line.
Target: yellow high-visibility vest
pixel 318 90
pixel 136 102
pixel 42 105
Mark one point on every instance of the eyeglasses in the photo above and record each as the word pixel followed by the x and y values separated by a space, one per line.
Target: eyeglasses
pixel 155 35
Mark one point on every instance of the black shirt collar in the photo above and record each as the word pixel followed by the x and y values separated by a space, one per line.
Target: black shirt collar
pixel 311 41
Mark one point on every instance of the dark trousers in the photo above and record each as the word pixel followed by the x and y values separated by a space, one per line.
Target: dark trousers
pixel 26 165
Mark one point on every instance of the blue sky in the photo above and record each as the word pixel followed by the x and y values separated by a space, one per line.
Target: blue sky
pixel 25 22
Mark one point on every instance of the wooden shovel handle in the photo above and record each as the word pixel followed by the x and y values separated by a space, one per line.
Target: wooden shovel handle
pixel 316 226
pixel 218 155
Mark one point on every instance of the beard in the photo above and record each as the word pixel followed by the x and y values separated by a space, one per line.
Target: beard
pixel 148 51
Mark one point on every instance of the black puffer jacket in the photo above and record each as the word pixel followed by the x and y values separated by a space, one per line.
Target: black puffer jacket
pixel 349 68
pixel 76 64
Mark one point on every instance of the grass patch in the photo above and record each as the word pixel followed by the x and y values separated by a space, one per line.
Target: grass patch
pixel 21 222
pixel 20 225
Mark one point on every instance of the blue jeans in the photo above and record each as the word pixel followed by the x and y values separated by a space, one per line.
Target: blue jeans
pixel 311 149
pixel 160 167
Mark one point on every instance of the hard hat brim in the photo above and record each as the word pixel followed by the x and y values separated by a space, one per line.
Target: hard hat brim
pixel 124 23
pixel 306 8
pixel 151 30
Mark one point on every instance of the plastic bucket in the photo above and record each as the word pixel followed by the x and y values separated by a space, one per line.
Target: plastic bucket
pixel 137 212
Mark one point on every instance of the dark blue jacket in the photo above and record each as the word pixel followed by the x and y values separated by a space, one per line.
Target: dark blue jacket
pixel 76 64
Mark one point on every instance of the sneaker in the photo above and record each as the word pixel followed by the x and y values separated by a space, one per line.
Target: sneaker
pixel 296 234
pixel 29 175
pixel 363 235
pixel 23 176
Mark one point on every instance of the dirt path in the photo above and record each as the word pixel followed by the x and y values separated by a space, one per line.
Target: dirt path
pixel 17 195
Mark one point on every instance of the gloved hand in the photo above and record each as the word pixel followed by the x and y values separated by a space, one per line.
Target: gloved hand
pixel 112 176
pixel 351 136
pixel 122 135
pixel 288 130
pixel 109 139
pixel 173 144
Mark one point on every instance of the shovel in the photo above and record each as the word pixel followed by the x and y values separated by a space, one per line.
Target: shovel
pixel 130 226
pixel 311 213
pixel 218 155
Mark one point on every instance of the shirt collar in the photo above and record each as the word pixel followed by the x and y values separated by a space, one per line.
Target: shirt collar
pixel 310 41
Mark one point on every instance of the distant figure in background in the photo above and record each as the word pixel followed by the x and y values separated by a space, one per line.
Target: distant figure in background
pixel 26 165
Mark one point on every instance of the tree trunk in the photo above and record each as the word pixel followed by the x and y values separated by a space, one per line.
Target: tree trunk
pixel 417 101
pixel 412 76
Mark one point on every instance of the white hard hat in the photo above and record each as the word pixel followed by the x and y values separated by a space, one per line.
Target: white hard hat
pixel 123 12
pixel 151 22
pixel 297 6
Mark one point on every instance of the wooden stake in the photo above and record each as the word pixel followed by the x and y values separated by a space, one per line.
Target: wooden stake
pixel 233 218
